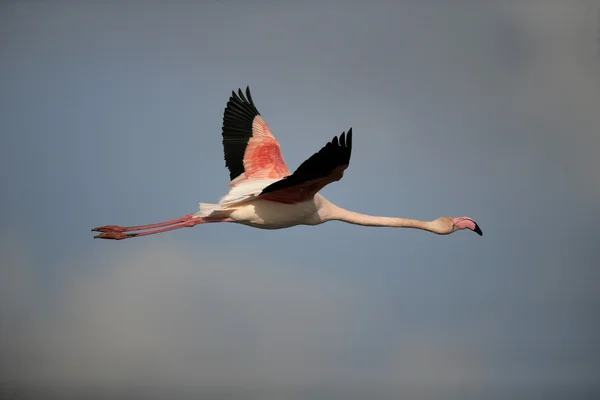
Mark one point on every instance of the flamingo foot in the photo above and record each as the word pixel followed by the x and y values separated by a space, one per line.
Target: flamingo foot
pixel 114 235
pixel 110 228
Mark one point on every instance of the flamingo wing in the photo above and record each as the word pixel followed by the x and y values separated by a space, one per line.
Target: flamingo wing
pixel 312 175
pixel 251 150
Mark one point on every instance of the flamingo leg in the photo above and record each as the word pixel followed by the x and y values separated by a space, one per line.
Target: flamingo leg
pixel 117 228
pixel 116 232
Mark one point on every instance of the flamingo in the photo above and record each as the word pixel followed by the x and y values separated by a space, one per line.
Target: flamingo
pixel 265 194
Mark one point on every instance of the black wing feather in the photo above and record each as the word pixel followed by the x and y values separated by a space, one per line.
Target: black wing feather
pixel 237 130
pixel 320 165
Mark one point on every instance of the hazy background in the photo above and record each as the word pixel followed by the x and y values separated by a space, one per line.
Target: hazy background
pixel 111 114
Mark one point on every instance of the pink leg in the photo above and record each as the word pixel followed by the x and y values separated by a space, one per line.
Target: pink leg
pixel 116 228
pixel 116 232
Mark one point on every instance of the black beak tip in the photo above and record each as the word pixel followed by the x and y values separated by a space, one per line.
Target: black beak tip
pixel 478 230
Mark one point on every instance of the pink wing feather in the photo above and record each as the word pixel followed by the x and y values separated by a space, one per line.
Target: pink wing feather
pixel 251 150
pixel 321 169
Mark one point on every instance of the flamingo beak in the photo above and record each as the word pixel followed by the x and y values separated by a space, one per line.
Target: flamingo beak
pixel 467 223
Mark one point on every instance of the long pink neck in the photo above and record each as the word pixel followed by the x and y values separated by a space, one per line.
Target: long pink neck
pixel 341 214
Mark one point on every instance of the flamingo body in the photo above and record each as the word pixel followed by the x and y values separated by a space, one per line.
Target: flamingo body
pixel 265 214
pixel 265 194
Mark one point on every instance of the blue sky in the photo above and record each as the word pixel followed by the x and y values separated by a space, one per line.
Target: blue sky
pixel 111 114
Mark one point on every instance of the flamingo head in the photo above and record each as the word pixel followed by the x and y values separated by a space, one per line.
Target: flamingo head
pixel 447 225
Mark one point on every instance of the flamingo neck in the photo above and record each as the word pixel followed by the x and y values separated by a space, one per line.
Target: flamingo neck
pixel 335 213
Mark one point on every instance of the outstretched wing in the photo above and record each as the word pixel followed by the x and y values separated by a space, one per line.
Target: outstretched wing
pixel 251 150
pixel 312 175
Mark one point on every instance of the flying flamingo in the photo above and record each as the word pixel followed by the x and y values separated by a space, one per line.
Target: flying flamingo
pixel 264 194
